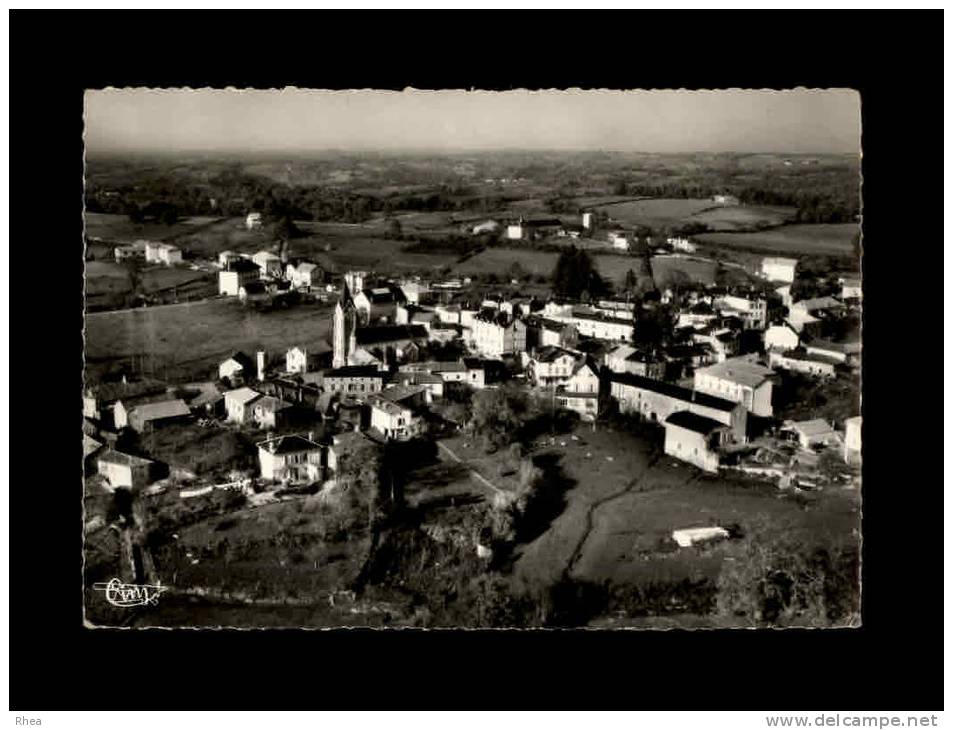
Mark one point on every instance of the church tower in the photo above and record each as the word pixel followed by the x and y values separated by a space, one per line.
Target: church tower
pixel 345 326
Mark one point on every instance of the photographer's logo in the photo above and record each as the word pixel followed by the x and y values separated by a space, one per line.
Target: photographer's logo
pixel 127 595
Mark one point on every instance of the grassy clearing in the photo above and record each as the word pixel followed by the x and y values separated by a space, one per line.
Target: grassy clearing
pixel 818 238
pixel 187 341
pixel 499 260
pixel 119 229
pixel 655 212
pixel 743 217
pixel 666 269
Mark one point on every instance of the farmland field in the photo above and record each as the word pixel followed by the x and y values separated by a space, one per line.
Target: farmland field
pixel 815 238
pixel 499 260
pixel 664 269
pixel 743 217
pixel 187 341
pixel 118 228
pixel 655 212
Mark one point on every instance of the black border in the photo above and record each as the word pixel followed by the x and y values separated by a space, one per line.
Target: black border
pixel 893 663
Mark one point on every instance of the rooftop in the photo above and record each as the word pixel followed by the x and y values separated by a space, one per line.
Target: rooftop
pixel 674 391
pixel 110 456
pixel 694 422
pixel 400 393
pixel 269 402
pixel 354 371
pixel 814 427
pixel 163 409
pixel 389 333
pixel 738 370
pixel 551 353
pixel 242 395
pixel 288 444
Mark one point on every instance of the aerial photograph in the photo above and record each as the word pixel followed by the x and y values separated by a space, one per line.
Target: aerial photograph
pixel 448 359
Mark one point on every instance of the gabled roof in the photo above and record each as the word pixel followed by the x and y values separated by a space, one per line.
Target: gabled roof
pixel 242 396
pixel 400 393
pixel 163 409
pixel 111 456
pixel 90 445
pixel 288 444
pixel 738 370
pixel 551 353
pixel 816 303
pixel 814 427
pixel 694 422
pixel 242 359
pixel 674 391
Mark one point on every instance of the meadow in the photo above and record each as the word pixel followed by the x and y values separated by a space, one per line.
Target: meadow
pixel 187 341
pixel 669 269
pixel 813 238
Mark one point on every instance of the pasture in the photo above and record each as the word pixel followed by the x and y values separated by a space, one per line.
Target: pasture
pixel 667 270
pixel 655 212
pixel 808 238
pixel 499 260
pixel 743 217
pixel 187 341
pixel 119 229
pixel 624 500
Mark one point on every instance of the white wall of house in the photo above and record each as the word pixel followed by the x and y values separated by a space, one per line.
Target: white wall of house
pixel 781 337
pixel 690 446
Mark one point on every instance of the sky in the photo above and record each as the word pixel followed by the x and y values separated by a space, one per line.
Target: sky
pixel 210 120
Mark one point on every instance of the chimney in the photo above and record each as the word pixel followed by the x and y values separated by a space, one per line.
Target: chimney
pixel 261 365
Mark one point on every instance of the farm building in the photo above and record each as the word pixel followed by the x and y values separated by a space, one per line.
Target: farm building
pixel 163 253
pixel 738 380
pixel 531 229
pixel 852 440
pixel 135 250
pixel 619 240
pixel 843 352
pixel 100 399
pixel 656 400
pixel 812 433
pixel 693 535
pixel 156 415
pixel 774 268
pixel 695 439
pixel 292 458
pixel 237 274
pixel 126 471
pixel 125 406
pixel 253 221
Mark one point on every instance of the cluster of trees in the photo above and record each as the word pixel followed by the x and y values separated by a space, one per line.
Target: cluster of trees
pixel 575 276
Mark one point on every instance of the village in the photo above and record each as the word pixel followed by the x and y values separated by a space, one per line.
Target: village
pixel 407 356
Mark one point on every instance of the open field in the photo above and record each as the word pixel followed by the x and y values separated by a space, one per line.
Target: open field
pixel 119 229
pixel 619 515
pixel 667 269
pixel 499 260
pixel 743 217
pixel 187 341
pixel 109 285
pixel 816 238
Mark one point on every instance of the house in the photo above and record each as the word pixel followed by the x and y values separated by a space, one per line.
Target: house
pixel 738 380
pixel 393 412
pixel 803 322
pixel 545 332
pixel 237 274
pixel 293 458
pixel 253 221
pixel 268 263
pixel 752 311
pixel 444 333
pixel 681 244
pixel 100 399
pixel 305 275
pixel 169 254
pixel 852 440
pixel 812 433
pixel 590 323
pixel 656 400
pixel 305 395
pixel 376 304
pixel 531 229
pixel 695 439
pixel 424 318
pixel 238 405
pixel 152 251
pixel 551 366
pixel 619 240
pixel 354 380
pixel 580 392
pixel 493 335
pixel 91 451
pixel 851 289
pixel 698 315
pixel 781 337
pixel 431 381
pixel 468 371
pixel 225 258
pixel 724 343
pixel 125 470
pixel 627 359
pixel 775 268
pixel 269 412
pixel 125 252
pixel 124 407
pixel 237 370
pixel 301 359
pixel 799 361
pixel 784 294
pixel 448 313
pixel 414 292
pixel 816 305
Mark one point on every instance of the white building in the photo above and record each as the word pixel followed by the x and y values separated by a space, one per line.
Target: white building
pixel 290 459
pixel 125 470
pixel 495 336
pixel 812 433
pixel 695 439
pixel 580 392
pixel 304 276
pixel 170 254
pixel 681 244
pixel 852 441
pixel 238 405
pixel 781 337
pixel 752 311
pixel 797 361
pixel 227 257
pixel 238 274
pixel 590 323
pixel 851 289
pixel 552 366
pixel 738 380
pixel 774 268
pixel 253 220
pixel 393 411
pixel 587 221
pixel 268 263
